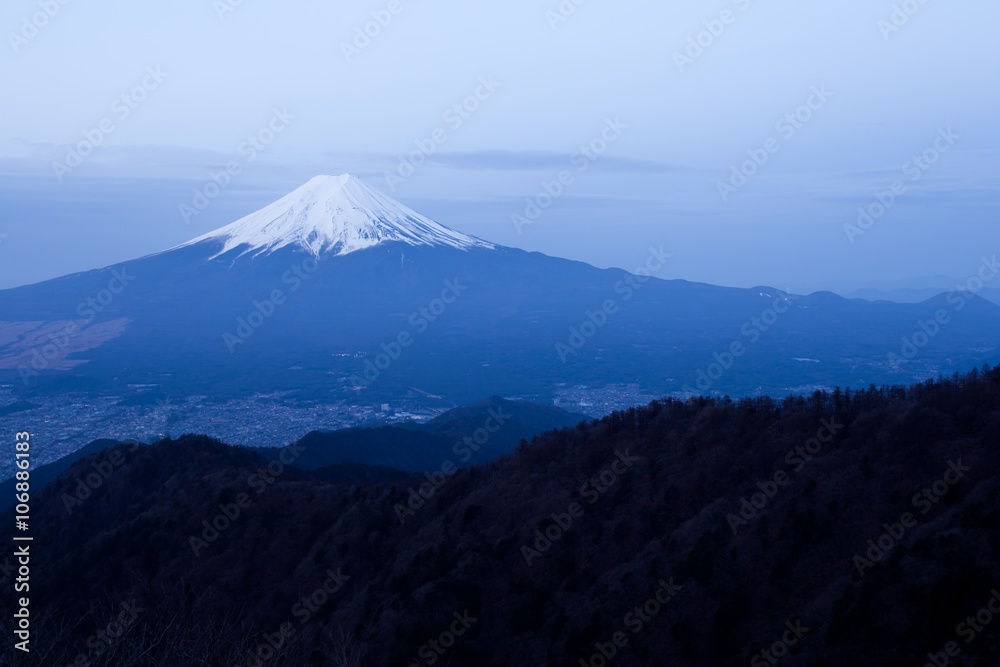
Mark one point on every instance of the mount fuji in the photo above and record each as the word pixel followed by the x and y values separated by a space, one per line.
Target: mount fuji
pixel 337 290
pixel 333 215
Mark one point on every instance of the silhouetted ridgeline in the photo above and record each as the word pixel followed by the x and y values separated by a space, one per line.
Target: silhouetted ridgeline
pixel 853 528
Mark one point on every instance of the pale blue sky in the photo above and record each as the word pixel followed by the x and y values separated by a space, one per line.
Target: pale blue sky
pixel 656 184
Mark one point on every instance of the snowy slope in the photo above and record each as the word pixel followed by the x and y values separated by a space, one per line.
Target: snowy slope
pixel 336 215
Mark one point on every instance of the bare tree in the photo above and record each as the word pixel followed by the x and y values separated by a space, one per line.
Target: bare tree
pixel 345 650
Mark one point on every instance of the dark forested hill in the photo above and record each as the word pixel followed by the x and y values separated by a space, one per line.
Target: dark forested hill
pixel 466 435
pixel 44 474
pixel 852 528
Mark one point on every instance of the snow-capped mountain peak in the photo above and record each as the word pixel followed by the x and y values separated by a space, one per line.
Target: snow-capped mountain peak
pixel 334 215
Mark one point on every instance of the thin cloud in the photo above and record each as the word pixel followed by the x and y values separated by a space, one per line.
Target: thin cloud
pixel 503 160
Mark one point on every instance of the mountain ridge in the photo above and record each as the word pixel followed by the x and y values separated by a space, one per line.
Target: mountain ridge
pixel 522 323
pixel 823 543
pixel 332 214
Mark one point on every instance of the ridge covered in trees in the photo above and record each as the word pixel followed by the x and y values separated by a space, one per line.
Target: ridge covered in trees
pixel 851 527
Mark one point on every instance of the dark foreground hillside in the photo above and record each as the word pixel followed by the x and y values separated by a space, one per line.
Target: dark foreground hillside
pixel 839 529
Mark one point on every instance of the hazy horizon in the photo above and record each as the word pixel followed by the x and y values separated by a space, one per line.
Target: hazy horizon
pixel 532 87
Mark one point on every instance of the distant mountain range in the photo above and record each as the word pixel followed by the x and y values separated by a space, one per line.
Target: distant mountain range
pixel 478 433
pixel 337 291
pixel 916 294
pixel 464 436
